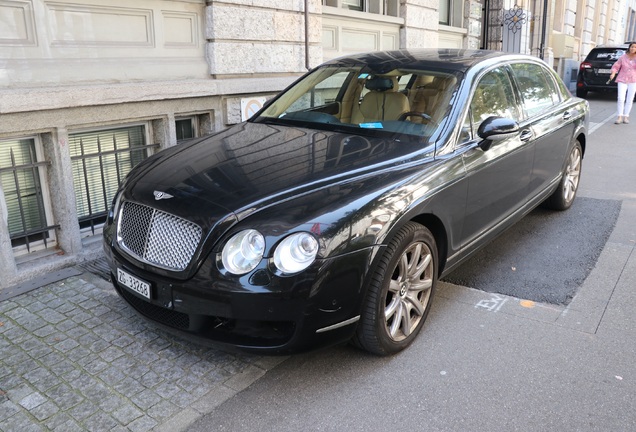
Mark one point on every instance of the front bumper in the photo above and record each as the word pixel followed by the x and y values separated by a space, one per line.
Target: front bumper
pixel 258 312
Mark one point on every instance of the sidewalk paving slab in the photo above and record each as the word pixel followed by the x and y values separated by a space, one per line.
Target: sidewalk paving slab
pixel 74 356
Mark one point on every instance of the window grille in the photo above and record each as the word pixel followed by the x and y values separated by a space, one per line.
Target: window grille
pixel 22 177
pixel 100 161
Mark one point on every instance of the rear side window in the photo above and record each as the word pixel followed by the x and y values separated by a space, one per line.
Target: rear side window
pixel 537 90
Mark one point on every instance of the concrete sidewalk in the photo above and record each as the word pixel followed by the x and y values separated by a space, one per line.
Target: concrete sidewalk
pixel 74 356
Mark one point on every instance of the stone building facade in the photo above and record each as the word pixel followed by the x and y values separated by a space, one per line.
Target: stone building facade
pixel 88 88
pixel 579 26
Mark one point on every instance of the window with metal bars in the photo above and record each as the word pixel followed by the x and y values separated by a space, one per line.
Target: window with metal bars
pixel 101 160
pixel 22 180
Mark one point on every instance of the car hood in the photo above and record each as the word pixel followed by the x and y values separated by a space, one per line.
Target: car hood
pixel 252 165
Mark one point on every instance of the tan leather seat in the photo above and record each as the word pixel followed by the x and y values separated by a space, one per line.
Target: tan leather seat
pixel 426 98
pixel 383 101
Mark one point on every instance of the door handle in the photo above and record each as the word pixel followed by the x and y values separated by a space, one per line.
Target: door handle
pixel 567 116
pixel 525 135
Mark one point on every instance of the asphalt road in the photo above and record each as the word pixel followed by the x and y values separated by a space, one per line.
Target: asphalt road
pixel 486 361
pixel 544 257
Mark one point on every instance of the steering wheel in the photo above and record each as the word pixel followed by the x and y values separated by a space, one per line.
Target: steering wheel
pixel 416 114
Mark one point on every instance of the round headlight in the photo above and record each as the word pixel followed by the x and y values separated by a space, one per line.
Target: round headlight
pixel 243 252
pixel 296 252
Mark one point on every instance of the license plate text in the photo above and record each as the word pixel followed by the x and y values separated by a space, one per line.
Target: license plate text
pixel 133 283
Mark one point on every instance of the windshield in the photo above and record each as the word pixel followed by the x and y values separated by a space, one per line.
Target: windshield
pixel 606 54
pixel 409 102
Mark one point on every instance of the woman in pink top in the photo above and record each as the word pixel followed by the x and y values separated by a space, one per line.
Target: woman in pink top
pixel 625 67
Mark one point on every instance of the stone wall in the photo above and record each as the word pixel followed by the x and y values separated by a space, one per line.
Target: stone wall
pixel 95 41
pixel 421 22
pixel 262 37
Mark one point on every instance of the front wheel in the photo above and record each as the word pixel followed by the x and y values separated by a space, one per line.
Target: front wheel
pixel 400 293
pixel 564 195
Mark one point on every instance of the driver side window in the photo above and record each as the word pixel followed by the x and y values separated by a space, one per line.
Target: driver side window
pixel 494 96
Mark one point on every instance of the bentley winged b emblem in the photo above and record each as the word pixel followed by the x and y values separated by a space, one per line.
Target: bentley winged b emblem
pixel 161 195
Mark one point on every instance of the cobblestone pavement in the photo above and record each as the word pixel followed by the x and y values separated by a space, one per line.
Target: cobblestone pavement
pixel 75 357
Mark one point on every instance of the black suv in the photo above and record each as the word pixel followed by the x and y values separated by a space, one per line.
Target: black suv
pixel 595 70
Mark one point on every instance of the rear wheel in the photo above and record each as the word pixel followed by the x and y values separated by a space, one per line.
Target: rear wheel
pixel 581 92
pixel 400 294
pixel 564 195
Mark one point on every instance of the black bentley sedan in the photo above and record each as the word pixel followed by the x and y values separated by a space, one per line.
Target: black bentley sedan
pixel 332 213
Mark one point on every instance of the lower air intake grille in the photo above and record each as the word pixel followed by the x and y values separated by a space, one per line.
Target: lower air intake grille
pixel 164 316
pixel 156 237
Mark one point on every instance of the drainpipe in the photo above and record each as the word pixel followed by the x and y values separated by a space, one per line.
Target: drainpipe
pixel 544 27
pixel 486 23
pixel 307 34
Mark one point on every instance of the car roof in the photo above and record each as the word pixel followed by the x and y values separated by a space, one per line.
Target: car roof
pixel 448 59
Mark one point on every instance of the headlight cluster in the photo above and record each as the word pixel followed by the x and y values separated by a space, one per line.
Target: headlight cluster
pixel 245 250
pixel 295 253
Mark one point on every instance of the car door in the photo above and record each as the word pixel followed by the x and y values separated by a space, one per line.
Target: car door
pixel 548 120
pixel 497 178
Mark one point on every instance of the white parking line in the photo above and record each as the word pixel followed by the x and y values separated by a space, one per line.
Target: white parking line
pixel 594 126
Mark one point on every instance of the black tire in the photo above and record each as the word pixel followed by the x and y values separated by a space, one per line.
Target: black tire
pixel 400 294
pixel 581 93
pixel 563 197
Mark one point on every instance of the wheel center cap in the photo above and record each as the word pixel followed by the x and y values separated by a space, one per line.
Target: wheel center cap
pixel 403 289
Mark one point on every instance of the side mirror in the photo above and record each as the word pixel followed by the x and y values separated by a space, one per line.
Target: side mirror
pixel 496 129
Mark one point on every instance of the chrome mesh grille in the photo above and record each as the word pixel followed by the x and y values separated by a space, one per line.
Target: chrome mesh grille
pixel 156 237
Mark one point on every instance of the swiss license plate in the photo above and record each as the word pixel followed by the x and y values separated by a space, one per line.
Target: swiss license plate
pixel 135 284
pixel 605 71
